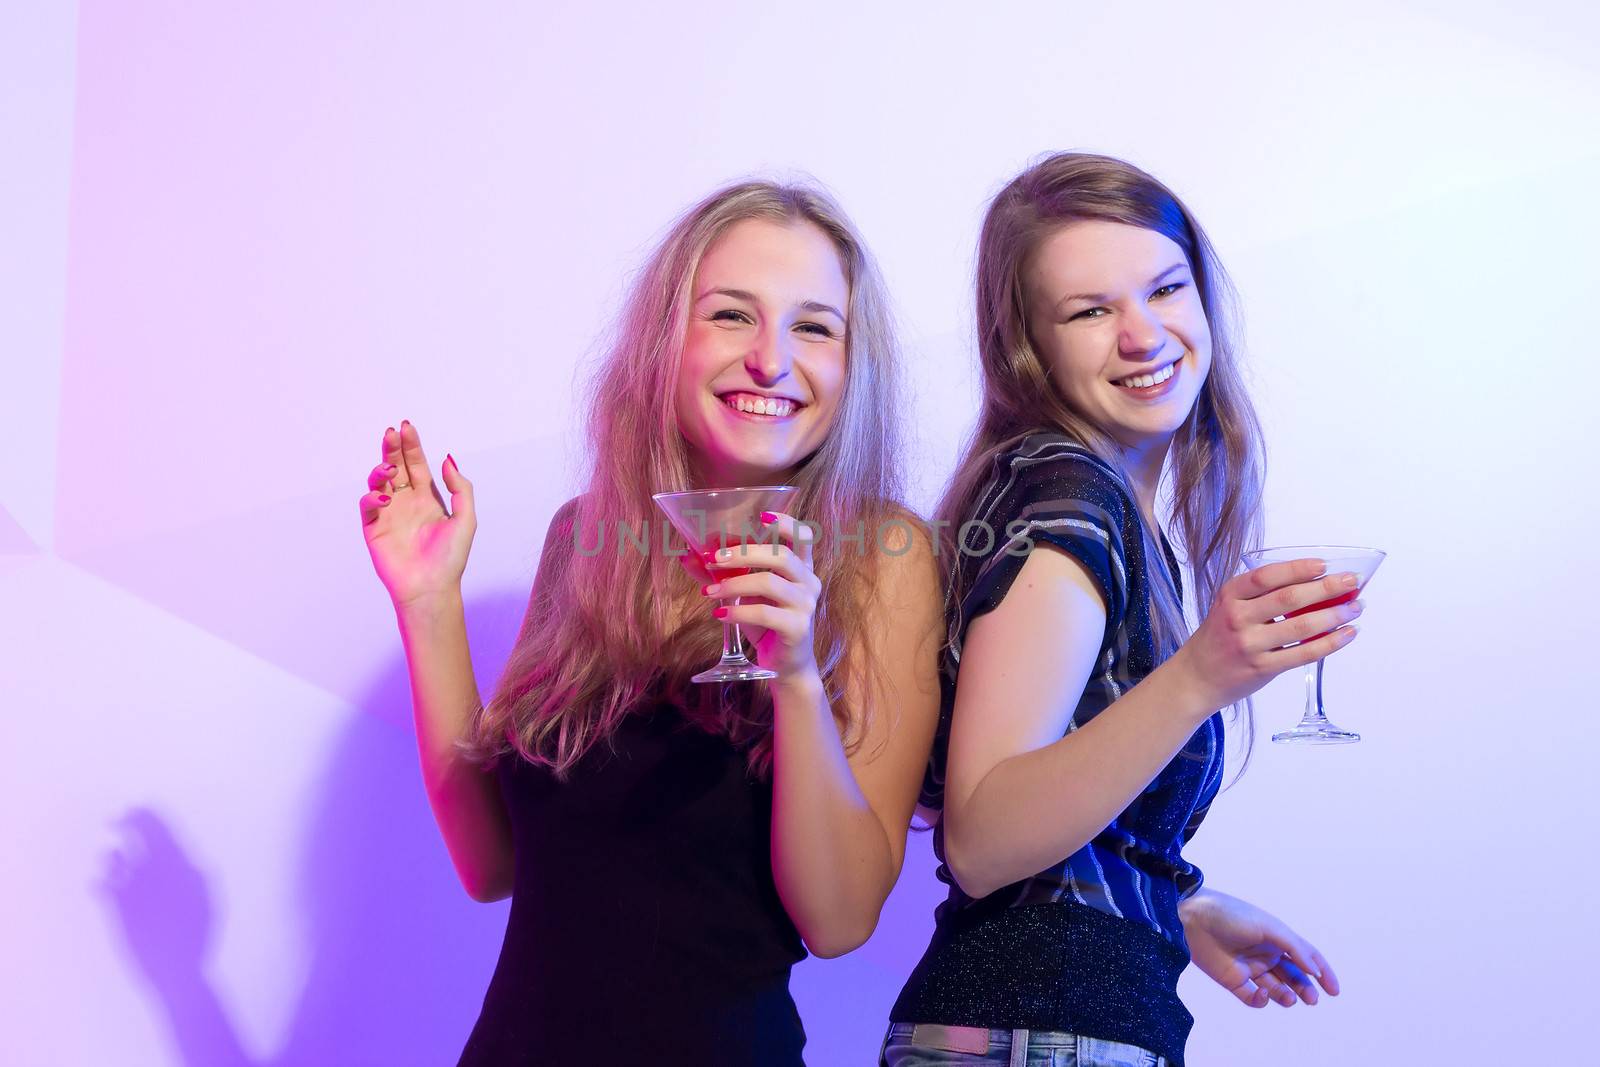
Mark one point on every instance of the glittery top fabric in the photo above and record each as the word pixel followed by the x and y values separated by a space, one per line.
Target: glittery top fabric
pixel 1093 944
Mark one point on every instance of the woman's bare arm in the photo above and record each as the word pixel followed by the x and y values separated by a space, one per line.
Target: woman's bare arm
pixel 839 823
pixel 1021 793
pixel 466 801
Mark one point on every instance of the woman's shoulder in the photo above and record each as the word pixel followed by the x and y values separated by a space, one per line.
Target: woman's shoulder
pixel 903 527
pixel 1047 488
pixel 565 517
pixel 905 545
pixel 1047 468
pixel 1045 447
pixel 555 550
pixel 568 510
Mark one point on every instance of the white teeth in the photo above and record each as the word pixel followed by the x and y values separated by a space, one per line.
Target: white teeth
pixel 760 405
pixel 1144 381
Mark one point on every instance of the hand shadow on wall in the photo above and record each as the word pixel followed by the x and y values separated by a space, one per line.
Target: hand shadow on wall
pixel 401 956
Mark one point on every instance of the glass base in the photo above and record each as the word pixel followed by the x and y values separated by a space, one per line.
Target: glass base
pixel 1323 733
pixel 734 670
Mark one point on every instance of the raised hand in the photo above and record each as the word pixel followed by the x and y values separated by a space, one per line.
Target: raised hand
pixel 1239 646
pixel 1253 955
pixel 418 546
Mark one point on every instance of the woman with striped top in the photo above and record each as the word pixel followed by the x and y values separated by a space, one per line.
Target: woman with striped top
pixel 1080 742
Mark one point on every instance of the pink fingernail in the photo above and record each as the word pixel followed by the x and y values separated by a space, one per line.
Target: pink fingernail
pixel 452 461
pixel 767 516
pixel 720 613
pixel 383 498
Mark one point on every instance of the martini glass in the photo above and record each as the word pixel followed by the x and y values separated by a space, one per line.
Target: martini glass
pixel 709 519
pixel 1314 727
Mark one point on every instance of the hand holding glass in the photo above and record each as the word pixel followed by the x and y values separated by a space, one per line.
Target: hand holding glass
pixel 709 519
pixel 1314 727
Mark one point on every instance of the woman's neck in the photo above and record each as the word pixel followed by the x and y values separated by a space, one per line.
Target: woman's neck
pixel 706 475
pixel 1144 468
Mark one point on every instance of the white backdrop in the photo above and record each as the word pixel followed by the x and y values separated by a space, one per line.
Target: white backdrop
pixel 237 241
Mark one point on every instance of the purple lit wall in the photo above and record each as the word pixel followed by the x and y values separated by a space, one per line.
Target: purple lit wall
pixel 237 241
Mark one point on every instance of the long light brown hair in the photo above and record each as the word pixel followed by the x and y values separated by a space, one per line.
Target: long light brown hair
pixel 1215 467
pixel 603 631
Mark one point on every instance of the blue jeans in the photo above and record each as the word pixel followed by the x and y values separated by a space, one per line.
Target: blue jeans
pixel 906 1045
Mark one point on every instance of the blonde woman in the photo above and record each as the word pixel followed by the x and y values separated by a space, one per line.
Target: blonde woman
pixel 1080 742
pixel 672 849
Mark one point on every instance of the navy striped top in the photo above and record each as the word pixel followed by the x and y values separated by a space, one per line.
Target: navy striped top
pixel 1121 890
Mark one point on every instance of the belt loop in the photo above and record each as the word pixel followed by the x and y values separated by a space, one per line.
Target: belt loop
pixel 1019 1048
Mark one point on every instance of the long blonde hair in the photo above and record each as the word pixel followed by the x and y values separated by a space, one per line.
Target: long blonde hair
pixel 599 636
pixel 1216 462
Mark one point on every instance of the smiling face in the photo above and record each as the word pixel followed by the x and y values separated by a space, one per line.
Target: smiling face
pixel 764 357
pixel 1113 311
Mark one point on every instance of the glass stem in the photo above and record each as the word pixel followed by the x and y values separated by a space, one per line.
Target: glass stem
pixel 1314 695
pixel 732 642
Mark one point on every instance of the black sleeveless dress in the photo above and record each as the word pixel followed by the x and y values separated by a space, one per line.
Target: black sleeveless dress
pixel 645 926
